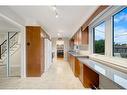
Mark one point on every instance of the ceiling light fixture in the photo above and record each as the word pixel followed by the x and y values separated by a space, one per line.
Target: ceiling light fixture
pixel 56 14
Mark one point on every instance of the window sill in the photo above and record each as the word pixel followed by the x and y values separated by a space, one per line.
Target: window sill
pixel 114 62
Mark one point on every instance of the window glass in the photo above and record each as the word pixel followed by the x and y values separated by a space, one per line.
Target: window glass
pixel 99 39
pixel 120 34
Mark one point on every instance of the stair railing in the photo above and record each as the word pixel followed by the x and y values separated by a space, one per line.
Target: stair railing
pixel 12 41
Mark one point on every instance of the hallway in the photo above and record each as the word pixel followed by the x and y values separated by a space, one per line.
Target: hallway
pixel 59 76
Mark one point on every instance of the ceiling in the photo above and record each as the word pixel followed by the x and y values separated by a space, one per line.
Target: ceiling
pixel 6 26
pixel 69 20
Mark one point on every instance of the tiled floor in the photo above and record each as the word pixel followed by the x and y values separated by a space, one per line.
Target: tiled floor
pixel 59 76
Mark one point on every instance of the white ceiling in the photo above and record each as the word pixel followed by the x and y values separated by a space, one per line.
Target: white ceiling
pixel 69 21
pixel 6 26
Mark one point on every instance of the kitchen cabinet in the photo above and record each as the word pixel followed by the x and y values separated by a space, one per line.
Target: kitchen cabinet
pixel 71 43
pixel 77 67
pixel 80 37
pixel 81 75
pixel 75 39
pixel 85 36
pixel 34 51
pixel 72 61
pixel 88 77
pixel 73 64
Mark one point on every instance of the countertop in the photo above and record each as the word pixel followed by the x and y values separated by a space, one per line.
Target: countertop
pixel 115 75
pixel 78 55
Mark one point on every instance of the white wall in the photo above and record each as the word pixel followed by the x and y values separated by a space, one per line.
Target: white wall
pixel 18 22
pixel 66 46
pixel 15 60
pixel 48 54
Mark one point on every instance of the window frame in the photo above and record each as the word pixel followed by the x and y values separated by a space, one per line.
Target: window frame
pixel 94 37
pixel 107 17
pixel 113 29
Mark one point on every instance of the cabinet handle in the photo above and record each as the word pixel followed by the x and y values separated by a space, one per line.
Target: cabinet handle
pixel 28 44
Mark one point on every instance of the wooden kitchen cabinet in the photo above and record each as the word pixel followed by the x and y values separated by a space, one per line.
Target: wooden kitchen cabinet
pixel 77 67
pixel 91 78
pixel 71 44
pixel 81 37
pixel 81 75
pixel 87 76
pixel 78 37
pixel 85 36
pixel 72 61
pixel 34 51
pixel 73 64
pixel 75 39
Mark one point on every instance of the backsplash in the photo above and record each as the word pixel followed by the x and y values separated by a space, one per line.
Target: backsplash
pixel 81 47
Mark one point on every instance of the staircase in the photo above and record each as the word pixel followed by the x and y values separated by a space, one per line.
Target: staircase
pixel 13 45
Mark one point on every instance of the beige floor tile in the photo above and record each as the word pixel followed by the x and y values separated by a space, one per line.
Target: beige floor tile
pixel 59 76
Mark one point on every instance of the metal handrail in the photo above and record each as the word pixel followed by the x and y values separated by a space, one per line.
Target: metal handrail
pixel 5 48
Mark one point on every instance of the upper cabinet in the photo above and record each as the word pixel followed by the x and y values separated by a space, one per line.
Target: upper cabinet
pixel 85 36
pixel 80 37
pixel 77 38
pixel 71 43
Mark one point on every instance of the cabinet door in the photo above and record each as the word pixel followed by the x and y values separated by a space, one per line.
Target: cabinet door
pixel 77 67
pixel 80 37
pixel 73 64
pixel 91 78
pixel 81 73
pixel 85 36
pixel 33 51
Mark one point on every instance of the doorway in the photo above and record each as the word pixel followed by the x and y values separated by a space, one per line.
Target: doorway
pixel 60 49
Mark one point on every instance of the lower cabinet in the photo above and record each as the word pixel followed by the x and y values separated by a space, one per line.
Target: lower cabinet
pixel 72 60
pixel 77 67
pixel 73 63
pixel 88 77
pixel 81 75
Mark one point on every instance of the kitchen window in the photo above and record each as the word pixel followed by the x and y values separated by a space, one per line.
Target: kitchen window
pixel 120 34
pixel 99 39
